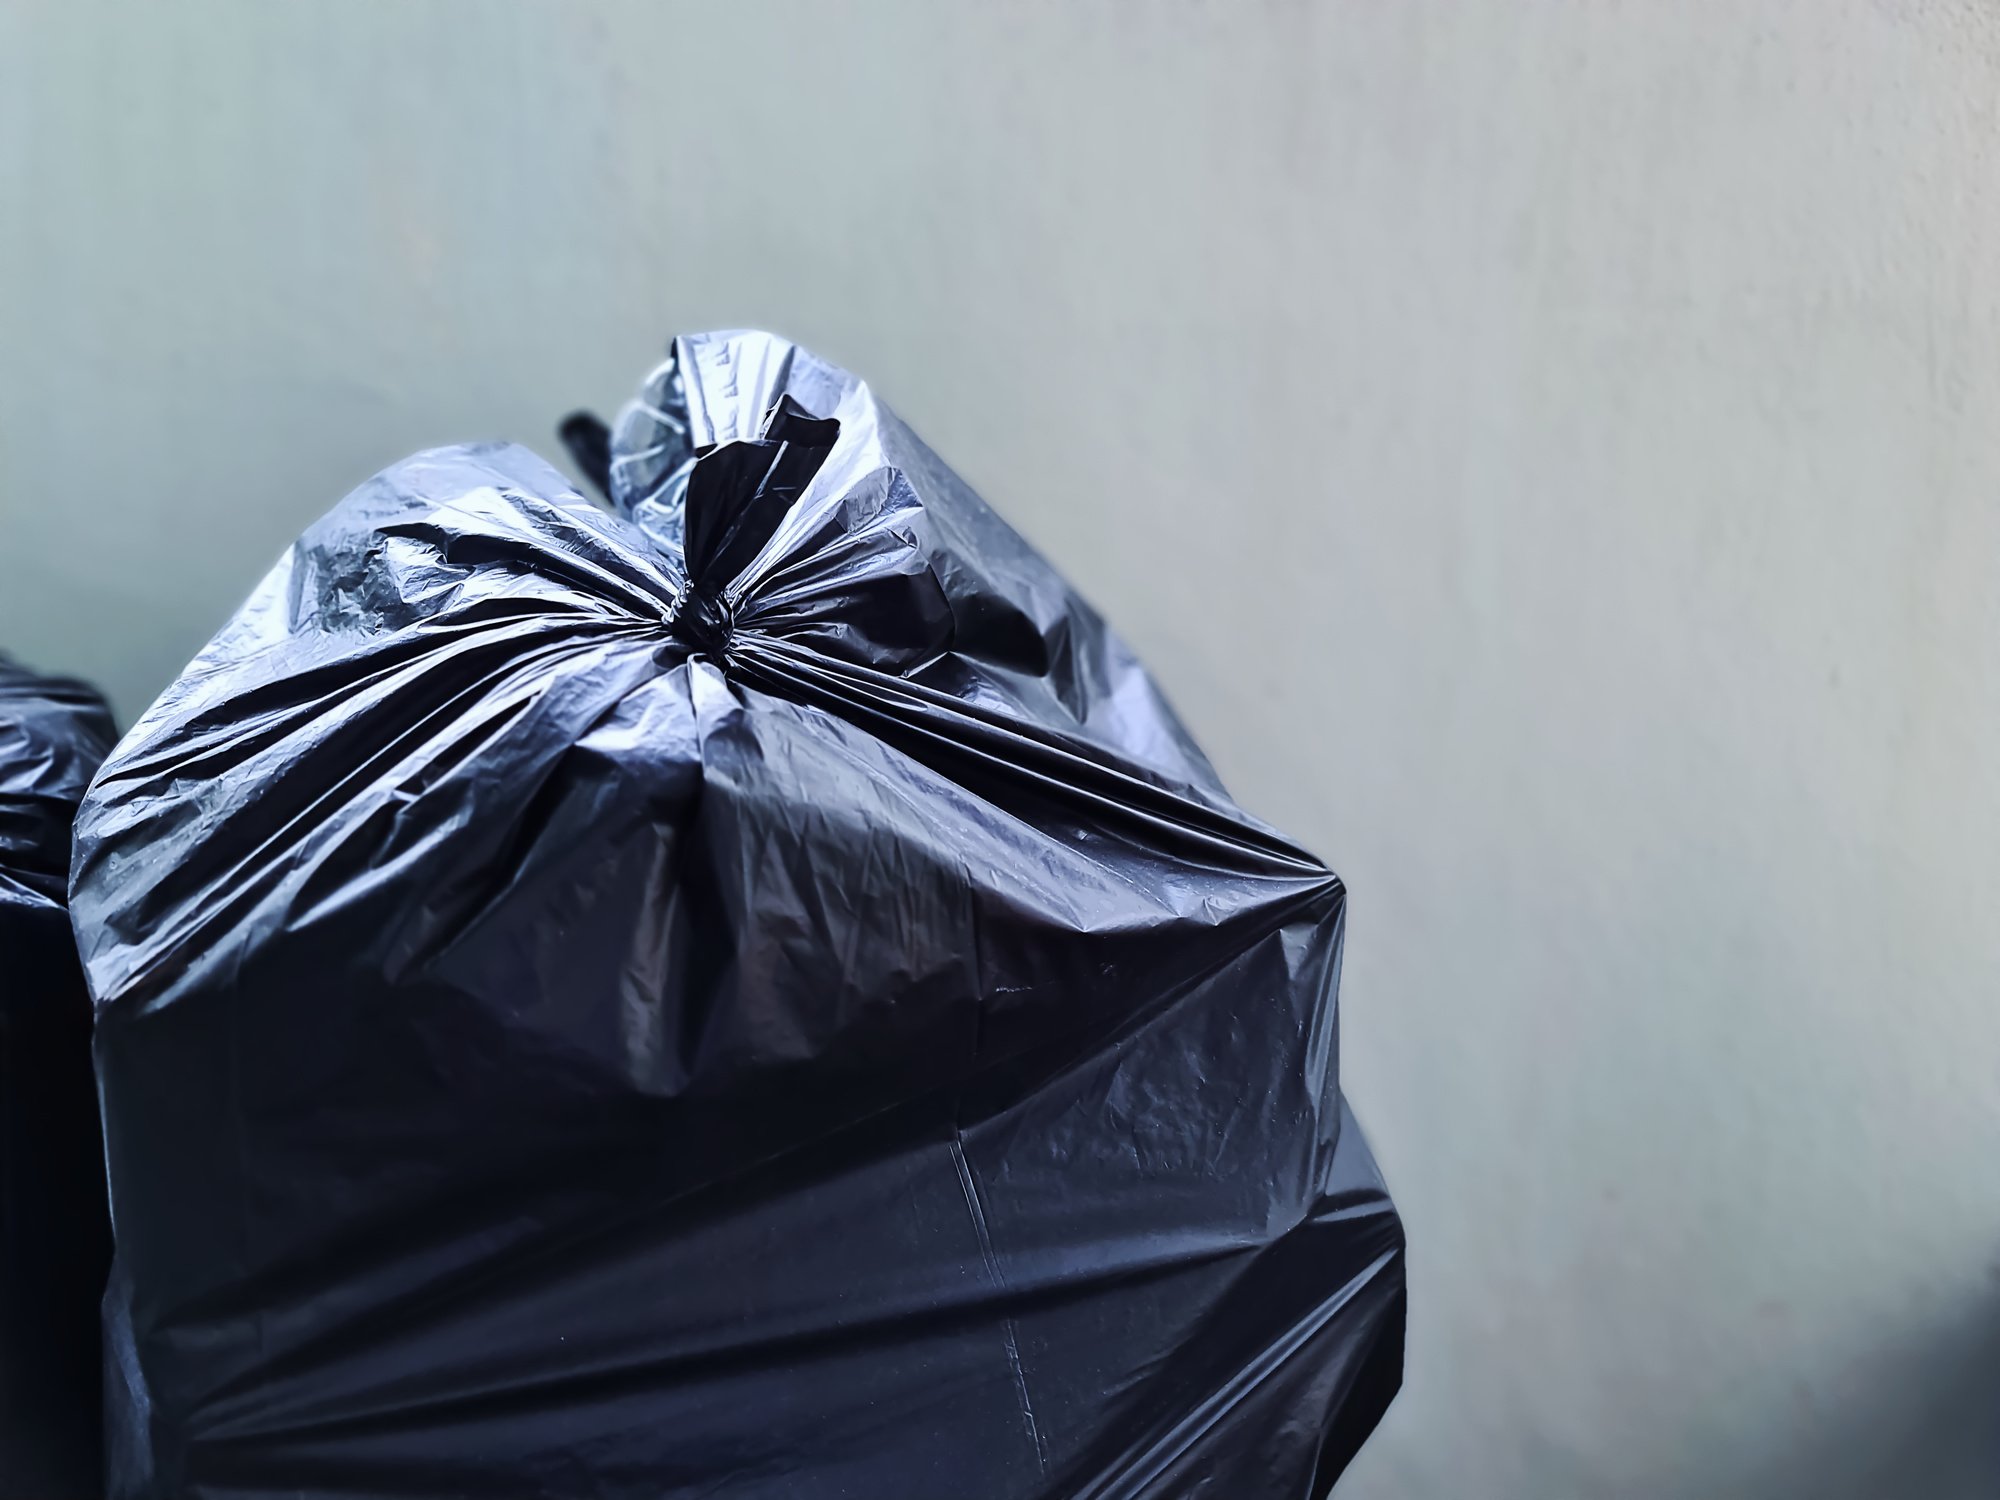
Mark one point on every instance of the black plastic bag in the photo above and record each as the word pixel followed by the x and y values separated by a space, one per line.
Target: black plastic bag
pixel 756 999
pixel 55 1240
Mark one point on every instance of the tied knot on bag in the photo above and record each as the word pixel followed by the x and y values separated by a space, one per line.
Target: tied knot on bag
pixel 702 621
pixel 738 494
pixel 844 573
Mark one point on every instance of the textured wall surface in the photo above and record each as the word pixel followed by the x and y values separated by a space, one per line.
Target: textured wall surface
pixel 1552 451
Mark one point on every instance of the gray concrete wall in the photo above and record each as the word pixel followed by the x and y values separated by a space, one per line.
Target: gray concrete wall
pixel 1552 451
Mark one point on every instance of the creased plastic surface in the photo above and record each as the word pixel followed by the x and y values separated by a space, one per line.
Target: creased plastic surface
pixel 755 996
pixel 54 1239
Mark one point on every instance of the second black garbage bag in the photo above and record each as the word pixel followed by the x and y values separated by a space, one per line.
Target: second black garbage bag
pixel 753 996
pixel 55 1241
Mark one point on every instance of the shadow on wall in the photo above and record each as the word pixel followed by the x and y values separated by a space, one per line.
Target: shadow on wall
pixel 1922 1423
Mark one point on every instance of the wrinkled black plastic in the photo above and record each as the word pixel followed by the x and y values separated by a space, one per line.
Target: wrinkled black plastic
pixel 755 998
pixel 55 1241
